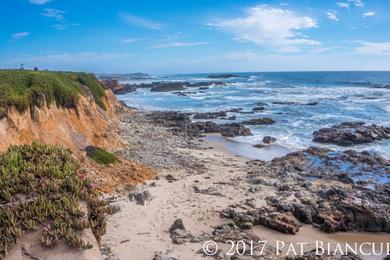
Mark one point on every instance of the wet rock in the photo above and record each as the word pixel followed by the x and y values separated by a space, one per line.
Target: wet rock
pixel 222 76
pixel 205 85
pixel 259 121
pixel 234 129
pixel 269 140
pixel 232 118
pixel 167 86
pixel 330 203
pixel 257 109
pixel 385 86
pixel 211 127
pixel 351 133
pixel 140 197
pixel 210 115
pixel 117 87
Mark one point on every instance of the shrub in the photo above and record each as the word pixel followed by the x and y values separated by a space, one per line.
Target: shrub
pixel 100 155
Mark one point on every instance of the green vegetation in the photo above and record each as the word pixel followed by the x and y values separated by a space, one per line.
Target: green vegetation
pixel 39 187
pixel 100 155
pixel 23 89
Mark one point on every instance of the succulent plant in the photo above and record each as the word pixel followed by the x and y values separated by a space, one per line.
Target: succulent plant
pixel 39 185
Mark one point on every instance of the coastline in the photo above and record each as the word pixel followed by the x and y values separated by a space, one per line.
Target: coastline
pixel 197 180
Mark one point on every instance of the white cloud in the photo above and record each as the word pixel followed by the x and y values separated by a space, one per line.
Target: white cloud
pixel 272 27
pixel 343 5
pixel 358 3
pixel 54 13
pixel 172 44
pixel 39 2
pixel 374 48
pixel 19 35
pixel 368 14
pixel 140 22
pixel 128 40
pixel 332 16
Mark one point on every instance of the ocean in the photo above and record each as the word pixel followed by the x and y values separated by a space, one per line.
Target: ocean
pixel 299 102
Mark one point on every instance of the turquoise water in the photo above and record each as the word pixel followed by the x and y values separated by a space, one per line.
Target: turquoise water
pixel 288 98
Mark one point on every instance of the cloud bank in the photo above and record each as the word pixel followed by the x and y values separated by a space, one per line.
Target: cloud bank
pixel 272 27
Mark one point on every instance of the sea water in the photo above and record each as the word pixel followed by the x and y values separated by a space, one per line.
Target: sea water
pixel 299 102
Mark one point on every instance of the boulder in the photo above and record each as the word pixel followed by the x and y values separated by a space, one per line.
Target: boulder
pixel 179 234
pixel 269 140
pixel 234 129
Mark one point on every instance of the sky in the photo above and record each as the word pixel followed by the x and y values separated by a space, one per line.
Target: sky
pixel 194 36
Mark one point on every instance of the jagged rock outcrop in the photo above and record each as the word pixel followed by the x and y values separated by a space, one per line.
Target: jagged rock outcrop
pixel 351 133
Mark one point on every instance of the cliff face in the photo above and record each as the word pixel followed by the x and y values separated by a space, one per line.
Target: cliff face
pixel 73 128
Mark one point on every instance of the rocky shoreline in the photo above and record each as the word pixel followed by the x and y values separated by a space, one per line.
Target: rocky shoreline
pixel 204 193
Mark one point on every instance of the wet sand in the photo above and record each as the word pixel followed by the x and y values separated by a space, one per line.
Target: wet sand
pixel 245 150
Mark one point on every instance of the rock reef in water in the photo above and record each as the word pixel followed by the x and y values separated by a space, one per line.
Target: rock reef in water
pixel 334 191
pixel 222 76
pixel 351 133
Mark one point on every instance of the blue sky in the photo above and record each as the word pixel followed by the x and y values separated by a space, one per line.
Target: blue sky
pixel 184 36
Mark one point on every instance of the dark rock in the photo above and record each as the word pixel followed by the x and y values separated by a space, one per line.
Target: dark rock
pixel 205 85
pixel 112 84
pixel 163 256
pixel 209 115
pixel 168 86
pixel 179 234
pixel 259 121
pixel 209 191
pixel 118 88
pixel 178 224
pixel 282 222
pixel 260 145
pixel 232 118
pixel 269 140
pixel 140 197
pixel 334 203
pixel 351 133
pixel 222 76
pixel 234 129
pixel 256 109
pixel 284 103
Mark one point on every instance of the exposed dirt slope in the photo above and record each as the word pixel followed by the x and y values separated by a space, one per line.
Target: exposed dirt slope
pixel 72 128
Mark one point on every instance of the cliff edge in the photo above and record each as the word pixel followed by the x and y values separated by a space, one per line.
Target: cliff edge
pixel 70 109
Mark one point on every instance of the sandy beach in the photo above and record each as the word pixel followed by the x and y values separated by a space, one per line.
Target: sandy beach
pixel 197 179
